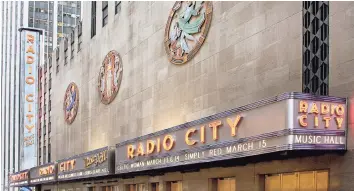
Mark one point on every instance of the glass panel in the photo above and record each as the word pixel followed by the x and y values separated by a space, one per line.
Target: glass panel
pixel 221 185
pixel 273 183
pixel 232 183
pixel 176 186
pixel 226 184
pixel 141 187
pixel 289 182
pixel 131 187
pixel 299 181
pixel 322 181
pixel 306 181
pixel 154 186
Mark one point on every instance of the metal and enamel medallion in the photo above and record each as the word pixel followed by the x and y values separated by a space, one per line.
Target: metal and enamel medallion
pixel 186 29
pixel 71 102
pixel 110 77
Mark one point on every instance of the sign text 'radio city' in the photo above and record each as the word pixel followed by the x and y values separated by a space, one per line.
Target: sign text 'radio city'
pixel 322 114
pixel 192 136
pixel 30 81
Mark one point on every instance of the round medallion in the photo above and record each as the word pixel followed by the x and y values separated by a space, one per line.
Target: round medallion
pixel 71 102
pixel 110 77
pixel 186 29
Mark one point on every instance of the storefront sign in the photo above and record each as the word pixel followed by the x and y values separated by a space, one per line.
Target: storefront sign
pixel 95 163
pixel 43 174
pixel 19 179
pixel 291 121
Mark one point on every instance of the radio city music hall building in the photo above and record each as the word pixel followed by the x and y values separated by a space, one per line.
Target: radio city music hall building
pixel 174 96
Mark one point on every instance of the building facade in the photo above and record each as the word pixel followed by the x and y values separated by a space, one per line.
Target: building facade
pixel 58 18
pixel 160 80
pixel 40 14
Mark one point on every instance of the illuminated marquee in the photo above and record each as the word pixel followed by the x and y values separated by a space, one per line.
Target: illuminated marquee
pixel 95 163
pixel 290 121
pixel 322 113
pixel 192 136
pixel 43 174
pixel 19 178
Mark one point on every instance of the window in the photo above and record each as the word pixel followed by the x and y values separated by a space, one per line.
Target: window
pixel 65 51
pixel 155 186
pixel 91 189
pixel 50 81
pixel 79 34
pixel 93 19
pixel 72 37
pixel 57 57
pixel 223 184
pixel 44 129
pixel 117 6
pixel 315 66
pixel 174 186
pixel 106 188
pixel 49 152
pixel 135 187
pixel 310 180
pixel 104 13
pixel 50 61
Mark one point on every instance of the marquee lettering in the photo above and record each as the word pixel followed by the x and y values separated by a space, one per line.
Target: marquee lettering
pixel 19 177
pixel 30 50
pixel 30 38
pixel 214 126
pixel 322 114
pixel 96 159
pixel 67 165
pixel 29 60
pixel 46 170
pixel 30 80
pixel 187 137
pixel 193 136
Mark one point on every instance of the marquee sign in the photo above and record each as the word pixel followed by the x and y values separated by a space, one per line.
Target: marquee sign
pixel 95 163
pixel 290 121
pixel 43 174
pixel 19 179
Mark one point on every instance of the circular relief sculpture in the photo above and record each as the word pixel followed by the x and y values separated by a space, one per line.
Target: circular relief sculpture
pixel 71 102
pixel 110 77
pixel 186 29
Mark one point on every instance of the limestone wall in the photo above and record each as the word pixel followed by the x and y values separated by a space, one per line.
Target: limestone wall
pixel 252 51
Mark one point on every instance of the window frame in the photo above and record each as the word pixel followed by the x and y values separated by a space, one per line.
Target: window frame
pixel 93 18
pixel 104 13
pixel 117 6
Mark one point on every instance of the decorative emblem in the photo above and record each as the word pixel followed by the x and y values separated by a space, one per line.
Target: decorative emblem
pixel 186 29
pixel 71 102
pixel 110 77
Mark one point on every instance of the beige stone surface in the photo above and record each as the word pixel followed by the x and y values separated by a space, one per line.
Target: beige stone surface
pixel 252 51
